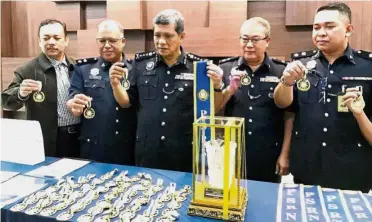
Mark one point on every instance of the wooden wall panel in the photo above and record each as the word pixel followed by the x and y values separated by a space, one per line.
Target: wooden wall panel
pixel 357 20
pixel 20 28
pixel 284 40
pixel 128 13
pixel 94 13
pixel 301 12
pixel 227 13
pixel 195 13
pixel 6 29
pixel 367 26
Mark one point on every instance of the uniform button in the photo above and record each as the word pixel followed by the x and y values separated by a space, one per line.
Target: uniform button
pixel 325 129
pixel 296 133
pixel 328 100
pixel 168 72
pixel 166 84
pixel 88 140
pixel 252 86
pixel 360 145
pixel 324 144
pixel 331 71
pixel 165 97
pixel 185 84
pixel 117 120
pixel 249 133
pixel 271 88
pixel 163 123
pixel 326 114
pixel 116 132
pixel 252 75
pixel 250 120
pixel 329 86
pixel 250 108
pixel 276 144
pixel 117 108
pixel 146 81
pixel 162 137
pixel 164 110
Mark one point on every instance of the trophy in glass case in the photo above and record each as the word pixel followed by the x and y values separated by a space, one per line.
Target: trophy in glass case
pixel 218 168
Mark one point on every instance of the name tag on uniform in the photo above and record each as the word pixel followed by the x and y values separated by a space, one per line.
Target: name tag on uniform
pixel 185 76
pixel 270 79
pixel 357 78
pixel 149 73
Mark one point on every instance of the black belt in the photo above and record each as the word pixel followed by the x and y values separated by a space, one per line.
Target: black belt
pixel 70 129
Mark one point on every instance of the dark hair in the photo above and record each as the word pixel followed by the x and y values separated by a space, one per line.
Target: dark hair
pixel 343 8
pixel 52 21
pixel 170 16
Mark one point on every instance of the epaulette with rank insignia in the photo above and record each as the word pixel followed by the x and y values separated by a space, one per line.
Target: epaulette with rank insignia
pixel 86 61
pixel 193 57
pixel 144 55
pixel 365 54
pixel 300 55
pixel 228 59
pixel 278 61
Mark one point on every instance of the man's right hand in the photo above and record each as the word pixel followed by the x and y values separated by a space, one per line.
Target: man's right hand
pixel 294 71
pixel 116 73
pixel 27 87
pixel 78 103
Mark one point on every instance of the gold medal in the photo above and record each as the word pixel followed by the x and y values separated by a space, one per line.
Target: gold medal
pixel 126 84
pixel 246 80
pixel 303 84
pixel 89 113
pixel 85 218
pixel 64 216
pixel 38 97
pixel 18 207
pixel 358 104
pixel 48 212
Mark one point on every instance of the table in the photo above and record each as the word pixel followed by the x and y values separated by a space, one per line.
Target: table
pixel 262 202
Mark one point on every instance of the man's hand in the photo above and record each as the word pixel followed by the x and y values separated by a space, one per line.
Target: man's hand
pixel 354 101
pixel 282 165
pixel 215 73
pixel 294 71
pixel 28 86
pixel 78 103
pixel 116 73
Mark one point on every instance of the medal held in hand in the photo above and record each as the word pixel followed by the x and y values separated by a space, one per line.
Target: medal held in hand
pixel 39 96
pixel 246 80
pixel 303 84
pixel 89 112
pixel 125 83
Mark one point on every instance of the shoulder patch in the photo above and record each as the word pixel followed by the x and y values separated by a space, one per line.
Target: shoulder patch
pixel 144 55
pixel 193 57
pixel 278 61
pixel 228 59
pixel 300 55
pixel 365 54
pixel 80 62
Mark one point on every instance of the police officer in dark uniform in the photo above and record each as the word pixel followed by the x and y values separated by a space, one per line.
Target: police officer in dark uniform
pixel 108 131
pixel 252 79
pixel 162 87
pixel 333 101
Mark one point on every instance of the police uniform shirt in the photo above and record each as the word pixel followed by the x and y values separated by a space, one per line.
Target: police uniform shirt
pixel 264 127
pixel 110 135
pixel 328 147
pixel 164 97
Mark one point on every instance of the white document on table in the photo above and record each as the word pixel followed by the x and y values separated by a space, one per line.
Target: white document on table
pixel 5 175
pixel 21 141
pixel 19 187
pixel 58 169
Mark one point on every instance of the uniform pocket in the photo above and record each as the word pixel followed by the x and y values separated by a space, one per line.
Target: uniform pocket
pixel 147 86
pixel 95 88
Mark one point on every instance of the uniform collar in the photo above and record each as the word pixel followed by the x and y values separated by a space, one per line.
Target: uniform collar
pixel 181 60
pixel 348 54
pixel 105 65
pixel 266 62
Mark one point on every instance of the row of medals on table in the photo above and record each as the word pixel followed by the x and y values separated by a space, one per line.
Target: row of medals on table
pixel 304 85
pixel 123 198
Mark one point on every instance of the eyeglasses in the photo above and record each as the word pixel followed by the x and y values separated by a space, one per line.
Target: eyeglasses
pixel 254 40
pixel 111 41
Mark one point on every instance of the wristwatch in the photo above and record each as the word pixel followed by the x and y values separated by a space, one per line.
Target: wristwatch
pixel 221 88
pixel 282 80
